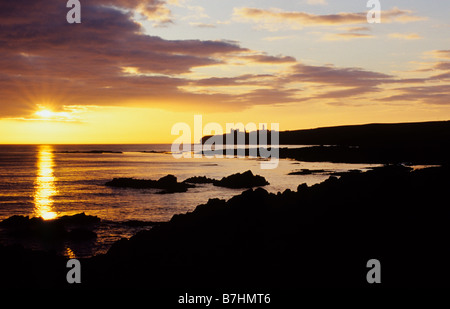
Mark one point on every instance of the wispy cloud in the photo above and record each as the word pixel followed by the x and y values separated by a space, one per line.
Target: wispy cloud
pixel 350 34
pixel 276 19
pixel 202 25
pixel 346 36
pixel 441 54
pixel 264 58
pixel 405 36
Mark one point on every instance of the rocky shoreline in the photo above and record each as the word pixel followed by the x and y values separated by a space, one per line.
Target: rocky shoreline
pixel 320 236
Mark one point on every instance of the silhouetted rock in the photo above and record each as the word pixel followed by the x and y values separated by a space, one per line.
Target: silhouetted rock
pixel 152 151
pixel 79 219
pixel 24 227
pixel 200 179
pixel 169 183
pixel 301 187
pixel 17 221
pixel 46 230
pixel 345 172
pixel 242 180
pixel 306 171
pixel 91 151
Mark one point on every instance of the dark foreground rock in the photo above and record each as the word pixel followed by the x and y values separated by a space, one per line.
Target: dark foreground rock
pixel 319 236
pixel 169 183
pixel 24 268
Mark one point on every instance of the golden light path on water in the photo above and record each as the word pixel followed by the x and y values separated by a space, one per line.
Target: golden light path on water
pixel 45 184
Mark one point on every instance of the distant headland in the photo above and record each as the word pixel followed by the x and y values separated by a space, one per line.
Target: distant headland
pixel 418 133
pixel 411 143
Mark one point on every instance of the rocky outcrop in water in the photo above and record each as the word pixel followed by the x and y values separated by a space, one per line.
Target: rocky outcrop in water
pixel 168 183
pixel 200 179
pixel 234 181
pixel 242 180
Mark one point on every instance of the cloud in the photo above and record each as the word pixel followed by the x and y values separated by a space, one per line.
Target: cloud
pixel 345 36
pixel 202 25
pixel 316 2
pixel 350 34
pixel 341 82
pixel 269 59
pixel 356 29
pixel 338 76
pixel 442 66
pixel 405 36
pixel 154 10
pixel 196 12
pixel 277 19
pixel 107 60
pixel 441 54
pixel 45 59
pixel 432 90
pixel 430 95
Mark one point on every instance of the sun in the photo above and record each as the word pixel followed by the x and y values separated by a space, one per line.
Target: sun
pixel 45 113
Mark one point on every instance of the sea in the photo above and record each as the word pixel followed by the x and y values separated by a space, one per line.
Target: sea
pixel 51 181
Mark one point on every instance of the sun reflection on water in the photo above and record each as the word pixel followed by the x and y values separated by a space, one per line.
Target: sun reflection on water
pixel 45 184
pixel 69 253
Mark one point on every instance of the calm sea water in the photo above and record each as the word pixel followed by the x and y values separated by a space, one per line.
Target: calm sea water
pixel 54 180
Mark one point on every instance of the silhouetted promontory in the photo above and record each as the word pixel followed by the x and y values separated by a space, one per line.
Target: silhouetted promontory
pixel 420 133
pixel 415 143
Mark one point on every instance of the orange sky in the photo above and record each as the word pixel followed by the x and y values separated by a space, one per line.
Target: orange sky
pixel 132 69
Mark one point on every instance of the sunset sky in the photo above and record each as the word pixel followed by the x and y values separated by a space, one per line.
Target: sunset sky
pixel 132 69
